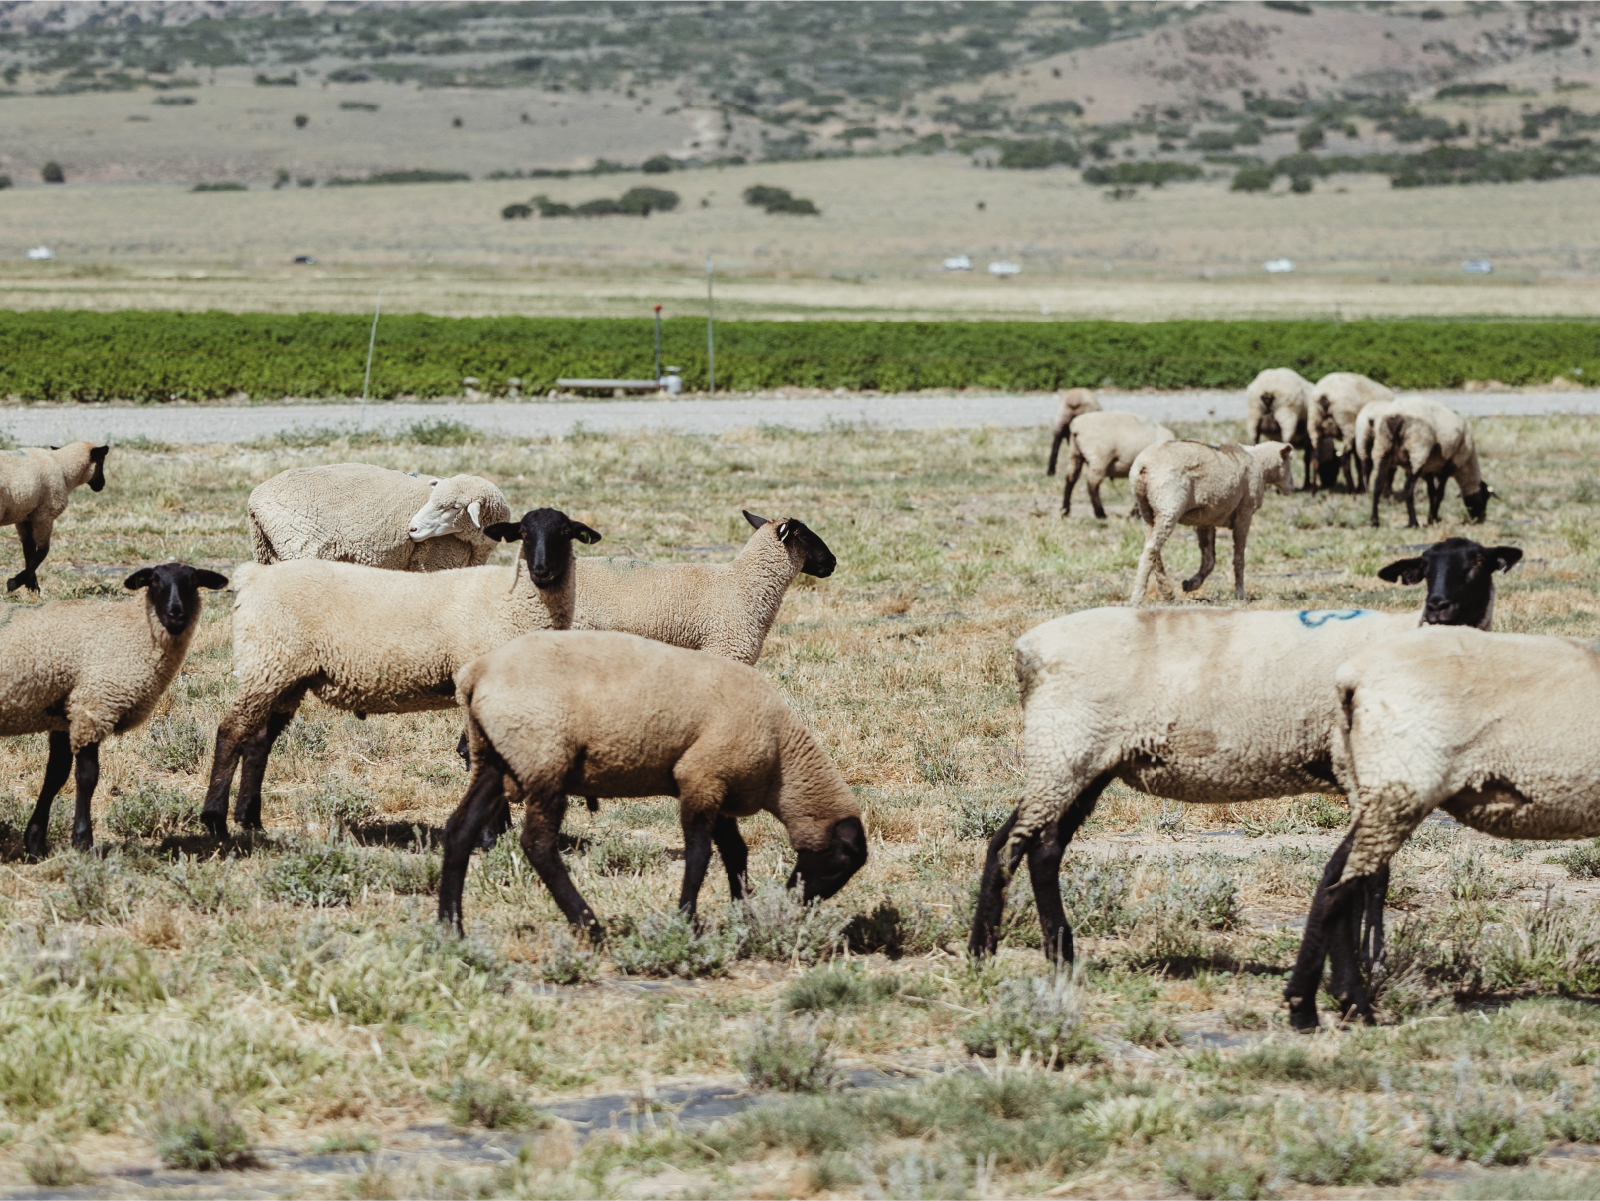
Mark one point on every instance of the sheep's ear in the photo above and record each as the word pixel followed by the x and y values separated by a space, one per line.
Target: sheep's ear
pixel 583 533
pixel 210 579
pixel 139 579
pixel 785 528
pixel 474 511
pixel 504 531
pixel 1405 571
pixel 433 483
pixel 97 454
pixel 755 522
pixel 1505 557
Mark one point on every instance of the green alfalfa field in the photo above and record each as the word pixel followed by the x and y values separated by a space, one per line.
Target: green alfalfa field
pixel 170 1003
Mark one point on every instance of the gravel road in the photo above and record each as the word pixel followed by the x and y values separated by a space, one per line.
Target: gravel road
pixel 33 425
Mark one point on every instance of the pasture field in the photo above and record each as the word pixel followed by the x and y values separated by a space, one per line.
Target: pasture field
pixel 167 1000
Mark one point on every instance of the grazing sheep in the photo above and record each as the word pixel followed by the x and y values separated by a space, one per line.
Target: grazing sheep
pixel 374 641
pixel 357 513
pixel 1366 434
pixel 1074 403
pixel 1432 442
pixel 1496 731
pixel 1190 483
pixel 1277 406
pixel 1197 705
pixel 1107 444
pixel 1336 404
pixel 616 715
pixel 34 487
pixel 84 670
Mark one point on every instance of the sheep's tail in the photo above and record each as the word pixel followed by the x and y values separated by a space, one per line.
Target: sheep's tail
pixel 1055 448
pixel 265 552
pixel 244 575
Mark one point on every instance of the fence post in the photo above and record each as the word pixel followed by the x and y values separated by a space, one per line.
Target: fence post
pixel 711 338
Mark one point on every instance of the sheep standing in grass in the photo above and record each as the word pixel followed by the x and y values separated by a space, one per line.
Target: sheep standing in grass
pixel 1075 402
pixel 1336 404
pixel 616 715
pixel 1433 443
pixel 357 513
pixel 1190 483
pixel 1197 705
pixel 1498 732
pixel 374 641
pixel 83 670
pixel 1277 407
pixel 34 487
pixel 1366 434
pixel 1106 444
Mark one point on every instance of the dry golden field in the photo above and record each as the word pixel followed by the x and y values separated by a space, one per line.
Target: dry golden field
pixel 170 999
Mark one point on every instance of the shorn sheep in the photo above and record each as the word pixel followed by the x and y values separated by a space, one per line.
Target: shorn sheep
pixel 1277 408
pixel 1366 434
pixel 1197 705
pixel 34 487
pixel 1433 443
pixel 1190 483
pixel 1496 731
pixel 1336 403
pixel 357 513
pixel 83 670
pixel 374 641
pixel 1103 447
pixel 1075 402
pixel 616 715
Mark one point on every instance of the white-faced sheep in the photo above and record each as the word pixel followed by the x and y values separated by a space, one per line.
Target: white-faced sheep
pixel 1366 434
pixel 1433 443
pixel 1495 730
pixel 357 513
pixel 1196 705
pixel 1277 409
pixel 374 641
pixel 1336 403
pixel 1190 483
pixel 34 487
pixel 1103 447
pixel 615 715
pixel 83 670
pixel 1075 402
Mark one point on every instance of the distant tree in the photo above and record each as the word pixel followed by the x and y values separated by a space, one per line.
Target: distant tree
pixel 659 165
pixel 1300 185
pixel 1311 136
pixel 282 180
pixel 52 173
pixel 301 120
pixel 5 182
pixel 644 201
pixel 455 122
pixel 1251 179
pixel 517 212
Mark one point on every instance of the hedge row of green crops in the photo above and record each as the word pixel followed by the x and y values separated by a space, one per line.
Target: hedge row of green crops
pixel 199 356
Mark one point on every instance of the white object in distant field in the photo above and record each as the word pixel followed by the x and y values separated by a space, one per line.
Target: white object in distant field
pixel 958 262
pixel 41 252
pixel 1278 266
pixel 672 381
pixel 1478 267
pixel 1004 269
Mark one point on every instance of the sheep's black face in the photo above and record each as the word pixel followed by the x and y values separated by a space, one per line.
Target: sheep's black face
pixel 1460 577
pixel 174 592
pixel 97 476
pixel 547 536
pixel 820 874
pixel 793 532
pixel 1478 502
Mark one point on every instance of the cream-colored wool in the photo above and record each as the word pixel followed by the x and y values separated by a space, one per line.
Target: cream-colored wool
pixel 1365 436
pixel 1190 483
pixel 1336 403
pixel 1103 447
pixel 35 485
pixel 1277 409
pixel 357 513
pixel 1075 402
pixel 1427 441
pixel 1495 729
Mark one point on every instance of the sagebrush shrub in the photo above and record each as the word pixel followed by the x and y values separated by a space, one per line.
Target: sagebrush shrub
pixel 153 811
pixel 1042 1015
pixel 669 945
pixel 491 1105
pixel 179 742
pixel 773 923
pixel 200 1135
pixel 788 1055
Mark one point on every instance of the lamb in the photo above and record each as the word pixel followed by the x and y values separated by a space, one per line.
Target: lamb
pixel 1074 403
pixel 1496 731
pixel 1432 442
pixel 616 715
pixel 374 641
pixel 357 513
pixel 1190 483
pixel 83 670
pixel 1336 404
pixel 34 486
pixel 1365 435
pixel 1202 706
pixel 1277 404
pixel 1107 444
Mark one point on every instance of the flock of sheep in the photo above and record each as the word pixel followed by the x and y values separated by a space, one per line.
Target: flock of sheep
pixel 600 677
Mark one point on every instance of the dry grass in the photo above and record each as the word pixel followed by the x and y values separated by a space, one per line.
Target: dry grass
pixel 137 978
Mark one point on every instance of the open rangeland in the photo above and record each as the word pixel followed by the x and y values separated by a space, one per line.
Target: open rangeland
pixel 287 1001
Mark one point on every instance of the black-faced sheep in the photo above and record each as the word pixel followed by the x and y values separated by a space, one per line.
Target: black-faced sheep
pixel 1433 443
pixel 1336 403
pixel 1277 409
pixel 34 487
pixel 1074 403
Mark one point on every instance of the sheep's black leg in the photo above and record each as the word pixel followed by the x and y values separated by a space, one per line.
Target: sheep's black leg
pixel 88 778
pixel 735 854
pixel 461 832
pixel 1207 537
pixel 540 831
pixel 1382 479
pixel 500 821
pixel 56 770
pixel 1044 873
pixel 1093 487
pixel 1435 497
pixel 1055 449
pixel 214 813
pixel 1072 481
pixel 697 835
pixel 32 556
pixel 985 938
pixel 1346 462
pixel 1411 499
pixel 253 770
pixel 1306 979
pixel 464 749
pixel 1310 484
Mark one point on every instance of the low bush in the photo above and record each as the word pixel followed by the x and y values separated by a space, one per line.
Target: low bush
pixel 1041 1015
pixel 1582 862
pixel 973 817
pixel 788 1055
pixel 55 1167
pixel 153 811
pixel 337 807
pixel 1484 1125
pixel 778 200
pixel 51 172
pixel 1217 1170
pixel 1320 1149
pixel 179 743
pixel 838 986
pixel 669 945
pixel 224 186
pixel 201 1136
pixel 569 960
pixel 773 923
pixel 491 1105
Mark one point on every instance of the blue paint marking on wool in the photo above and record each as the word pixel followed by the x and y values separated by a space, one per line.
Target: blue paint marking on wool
pixel 1316 618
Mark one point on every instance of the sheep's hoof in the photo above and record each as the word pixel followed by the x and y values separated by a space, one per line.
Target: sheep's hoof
pixel 1192 584
pixel 216 824
pixel 34 845
pixel 25 579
